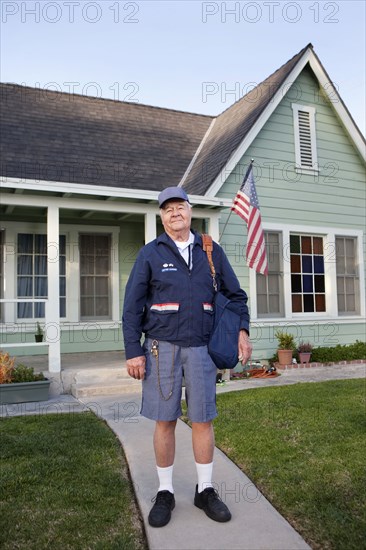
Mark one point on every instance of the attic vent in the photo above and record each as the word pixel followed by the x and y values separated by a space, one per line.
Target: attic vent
pixel 305 139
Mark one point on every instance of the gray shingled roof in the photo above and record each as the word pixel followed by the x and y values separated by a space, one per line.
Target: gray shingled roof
pixel 56 136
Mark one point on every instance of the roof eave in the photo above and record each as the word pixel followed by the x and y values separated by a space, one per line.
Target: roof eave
pixel 98 191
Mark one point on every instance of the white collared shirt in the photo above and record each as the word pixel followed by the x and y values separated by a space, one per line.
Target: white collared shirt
pixel 185 249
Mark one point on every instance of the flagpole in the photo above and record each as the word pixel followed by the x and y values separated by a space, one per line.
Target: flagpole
pixel 244 180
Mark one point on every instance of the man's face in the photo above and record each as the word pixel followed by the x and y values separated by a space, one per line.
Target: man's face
pixel 176 217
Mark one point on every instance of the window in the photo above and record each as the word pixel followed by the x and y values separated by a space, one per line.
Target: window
pixel 270 288
pixel 348 282
pixel 305 137
pixel 307 273
pixel 95 276
pixel 32 274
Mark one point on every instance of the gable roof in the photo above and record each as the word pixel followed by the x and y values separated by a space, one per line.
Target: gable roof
pixel 231 127
pixel 53 136
pixel 233 131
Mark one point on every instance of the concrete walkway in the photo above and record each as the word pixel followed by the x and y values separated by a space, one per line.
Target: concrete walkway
pixel 255 523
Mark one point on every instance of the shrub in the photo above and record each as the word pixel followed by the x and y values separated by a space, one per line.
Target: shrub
pixel 285 340
pixel 337 353
pixel 340 353
pixel 6 367
pixel 39 331
pixel 304 347
pixel 20 373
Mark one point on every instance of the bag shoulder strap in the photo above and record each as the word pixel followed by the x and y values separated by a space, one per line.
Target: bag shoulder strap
pixel 207 246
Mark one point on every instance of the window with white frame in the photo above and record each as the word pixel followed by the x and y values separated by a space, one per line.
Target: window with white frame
pixel 307 273
pixel 305 137
pixel 318 273
pixel 95 276
pixel 32 274
pixel 270 288
pixel 348 280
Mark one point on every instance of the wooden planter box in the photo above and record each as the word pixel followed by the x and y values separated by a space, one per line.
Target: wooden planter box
pixel 23 392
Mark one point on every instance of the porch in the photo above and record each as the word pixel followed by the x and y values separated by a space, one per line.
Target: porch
pixel 65 260
pixel 86 374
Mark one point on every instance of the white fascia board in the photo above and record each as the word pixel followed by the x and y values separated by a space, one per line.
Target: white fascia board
pixel 106 206
pixel 97 191
pixel 76 188
pixel 334 98
pixel 329 91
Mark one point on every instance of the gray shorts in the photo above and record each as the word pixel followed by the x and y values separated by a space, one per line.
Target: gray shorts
pixel 175 362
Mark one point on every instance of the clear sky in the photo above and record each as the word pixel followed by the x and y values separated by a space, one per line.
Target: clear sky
pixel 186 55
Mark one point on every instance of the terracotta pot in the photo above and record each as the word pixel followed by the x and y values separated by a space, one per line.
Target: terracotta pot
pixel 284 356
pixel 304 356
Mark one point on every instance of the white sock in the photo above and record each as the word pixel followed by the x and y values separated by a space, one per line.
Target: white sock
pixel 165 478
pixel 204 473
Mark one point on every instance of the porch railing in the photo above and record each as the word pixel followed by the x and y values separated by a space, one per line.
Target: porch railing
pixel 53 346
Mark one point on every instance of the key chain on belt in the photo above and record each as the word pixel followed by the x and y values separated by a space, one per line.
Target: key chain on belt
pixel 155 352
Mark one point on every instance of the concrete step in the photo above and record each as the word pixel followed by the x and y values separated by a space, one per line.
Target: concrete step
pixel 116 389
pixel 102 381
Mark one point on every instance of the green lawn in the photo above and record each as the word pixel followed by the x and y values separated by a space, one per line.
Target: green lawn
pixel 64 484
pixel 64 481
pixel 304 446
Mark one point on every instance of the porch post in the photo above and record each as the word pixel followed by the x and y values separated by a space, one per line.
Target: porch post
pixel 214 231
pixel 53 331
pixel 150 226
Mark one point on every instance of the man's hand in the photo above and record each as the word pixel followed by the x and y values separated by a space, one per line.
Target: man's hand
pixel 136 367
pixel 244 347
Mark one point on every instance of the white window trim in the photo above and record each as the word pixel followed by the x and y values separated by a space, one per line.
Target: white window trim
pixel 300 169
pixel 72 269
pixel 329 234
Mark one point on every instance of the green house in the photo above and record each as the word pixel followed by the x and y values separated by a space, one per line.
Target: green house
pixel 80 180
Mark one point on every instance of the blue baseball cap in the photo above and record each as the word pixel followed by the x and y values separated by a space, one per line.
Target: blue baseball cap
pixel 171 193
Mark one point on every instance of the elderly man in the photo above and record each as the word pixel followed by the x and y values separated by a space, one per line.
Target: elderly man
pixel 169 298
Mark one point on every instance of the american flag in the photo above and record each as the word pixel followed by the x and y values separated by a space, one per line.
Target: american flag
pixel 246 205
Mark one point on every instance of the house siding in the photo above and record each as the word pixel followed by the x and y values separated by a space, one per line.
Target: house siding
pixel 334 197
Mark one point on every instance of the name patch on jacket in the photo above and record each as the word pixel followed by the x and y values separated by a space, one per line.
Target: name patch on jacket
pixel 168 267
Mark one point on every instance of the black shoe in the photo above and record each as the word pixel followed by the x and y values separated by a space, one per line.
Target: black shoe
pixel 210 502
pixel 160 513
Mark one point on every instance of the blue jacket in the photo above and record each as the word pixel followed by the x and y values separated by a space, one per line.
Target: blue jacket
pixel 167 301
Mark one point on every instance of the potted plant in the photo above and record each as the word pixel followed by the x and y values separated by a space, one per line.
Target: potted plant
pixel 304 350
pixel 39 333
pixel 19 383
pixel 286 346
